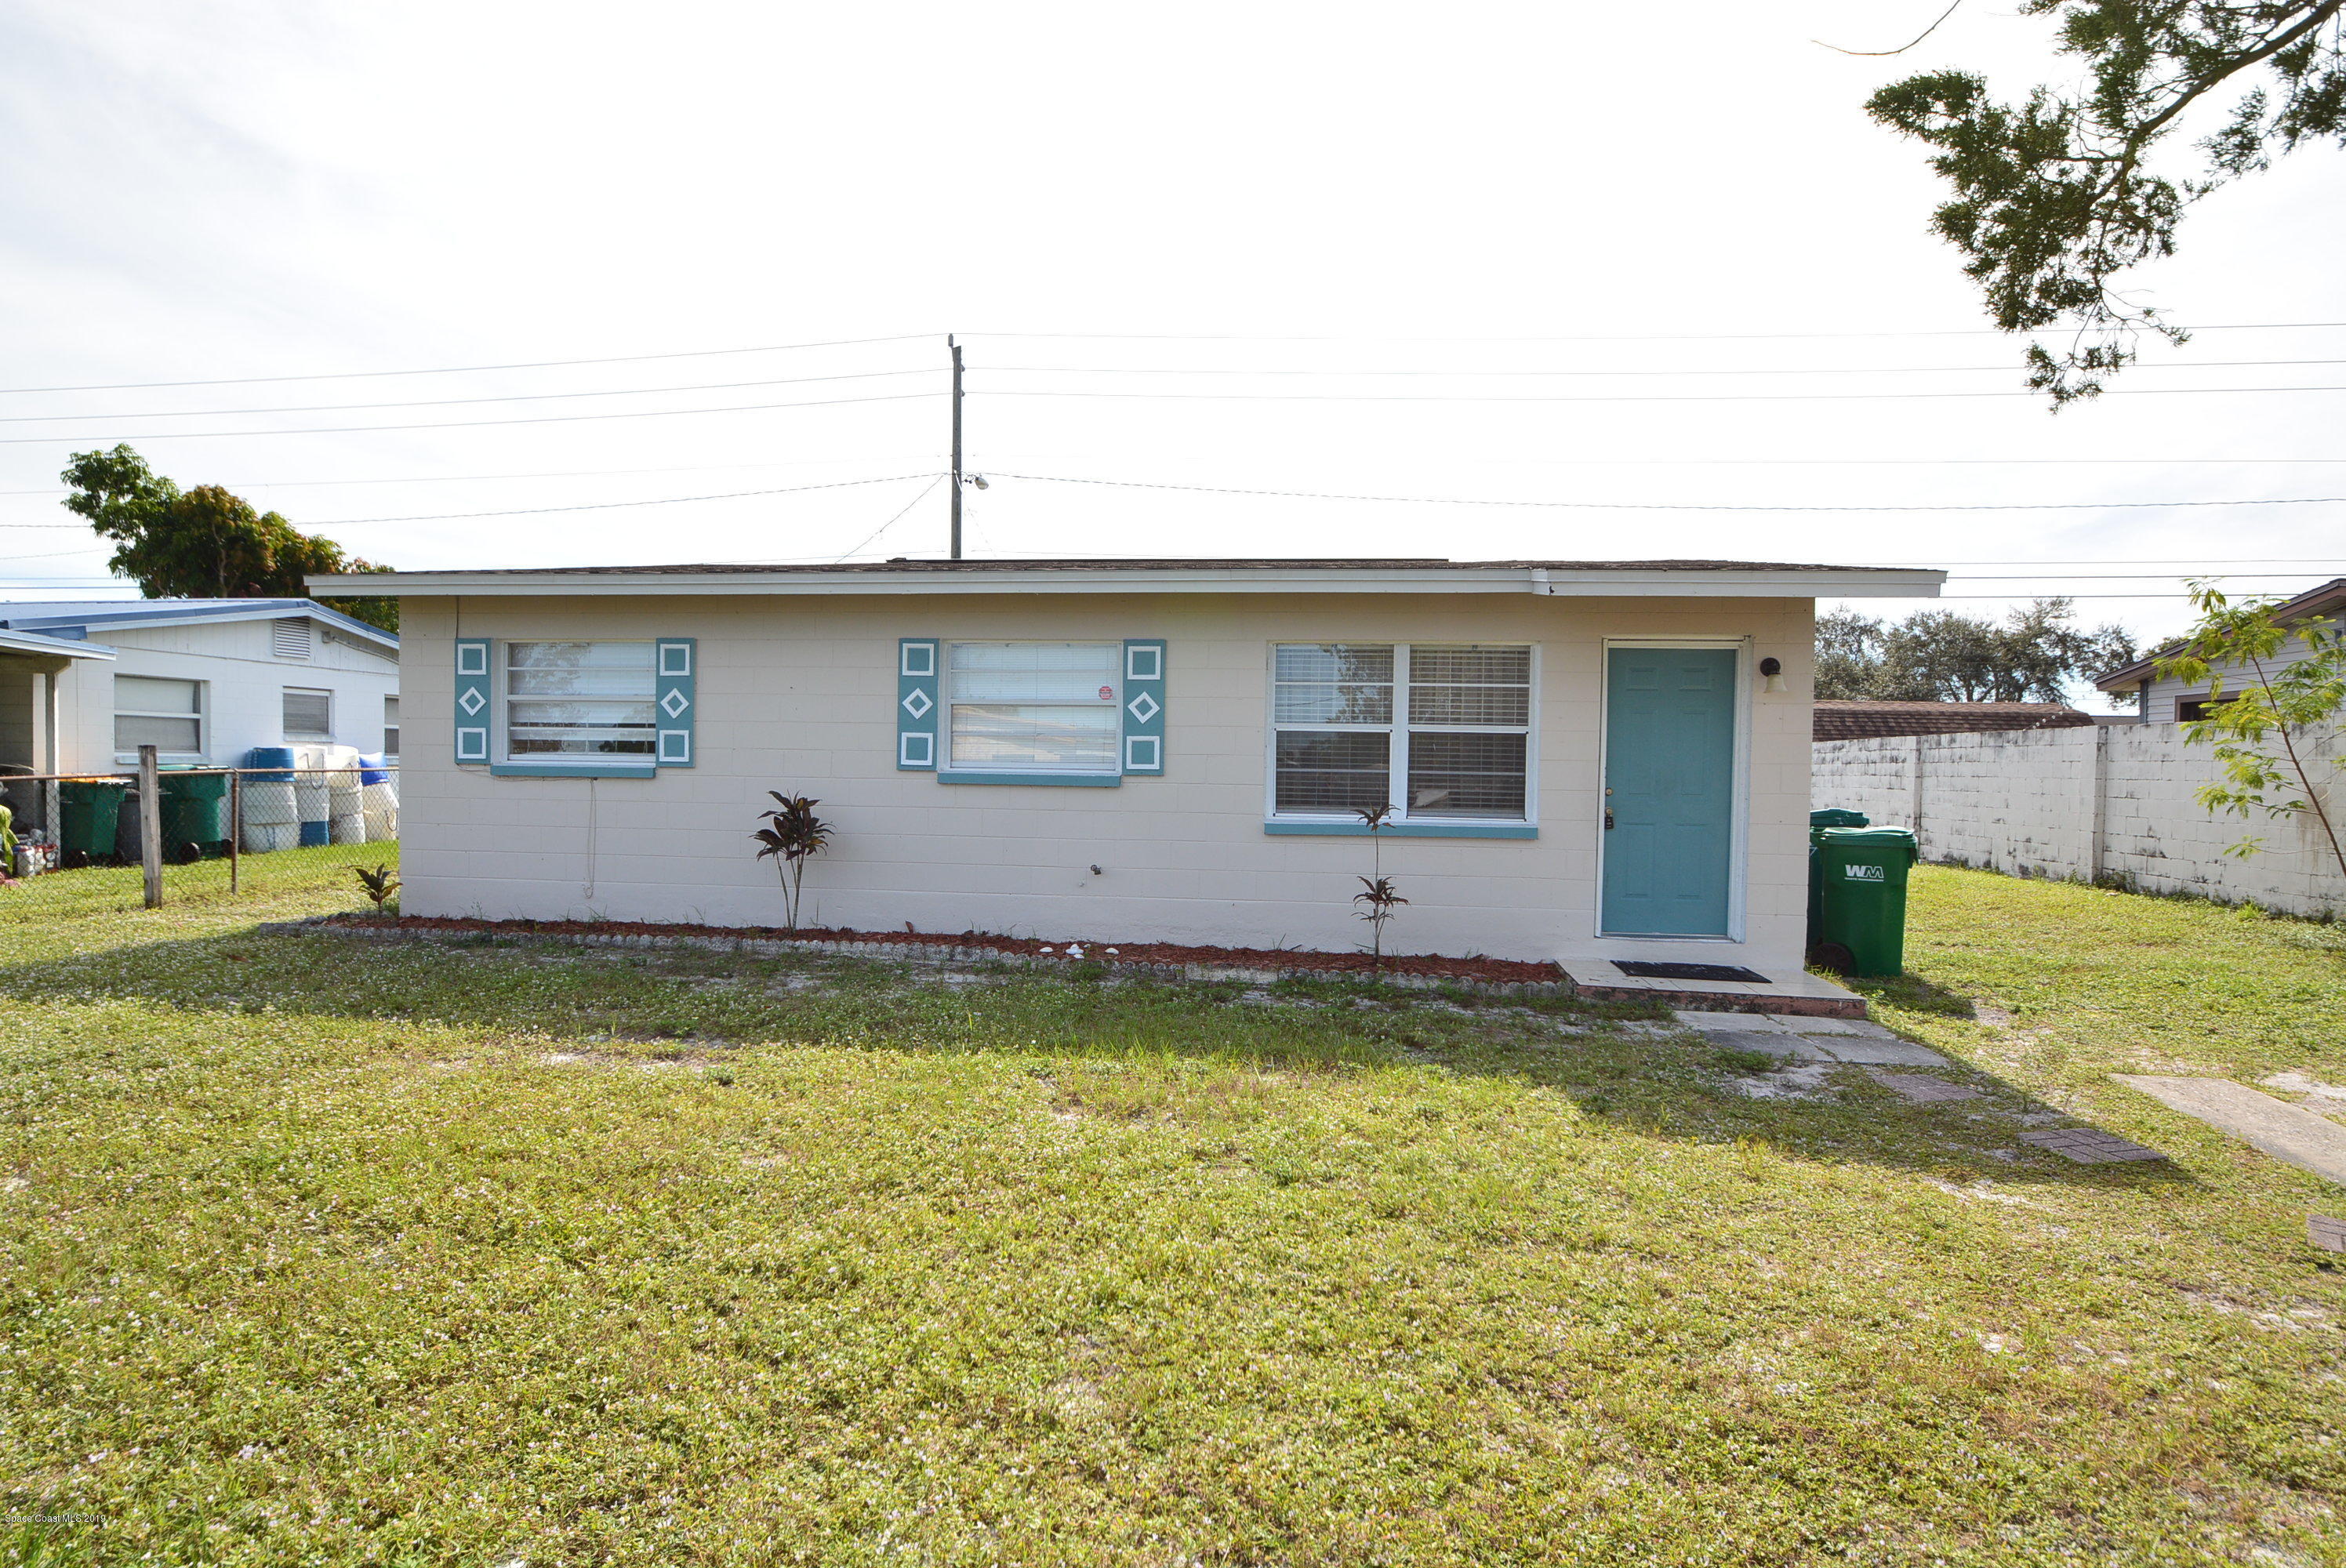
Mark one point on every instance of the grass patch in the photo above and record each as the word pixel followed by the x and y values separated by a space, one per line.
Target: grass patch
pixel 323 1250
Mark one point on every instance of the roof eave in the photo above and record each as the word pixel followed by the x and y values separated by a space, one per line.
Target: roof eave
pixel 1637 583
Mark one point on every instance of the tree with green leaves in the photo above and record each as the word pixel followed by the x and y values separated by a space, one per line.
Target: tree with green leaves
pixel 205 543
pixel 2259 733
pixel 2060 193
pixel 1946 655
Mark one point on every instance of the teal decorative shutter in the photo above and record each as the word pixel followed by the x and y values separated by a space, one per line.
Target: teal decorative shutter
pixel 472 698
pixel 672 690
pixel 919 690
pixel 1143 706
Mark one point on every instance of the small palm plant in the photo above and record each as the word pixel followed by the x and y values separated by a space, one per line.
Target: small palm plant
pixel 380 883
pixel 1381 898
pixel 793 835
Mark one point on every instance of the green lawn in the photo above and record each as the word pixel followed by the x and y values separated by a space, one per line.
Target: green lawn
pixel 321 1252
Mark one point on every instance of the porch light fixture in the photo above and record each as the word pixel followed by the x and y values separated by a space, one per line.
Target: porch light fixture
pixel 1771 670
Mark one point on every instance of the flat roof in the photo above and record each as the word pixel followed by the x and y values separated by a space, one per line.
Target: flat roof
pixel 1717 579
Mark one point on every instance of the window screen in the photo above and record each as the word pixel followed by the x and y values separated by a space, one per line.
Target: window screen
pixel 309 714
pixel 150 710
pixel 580 699
pixel 1455 747
pixel 390 727
pixel 1033 707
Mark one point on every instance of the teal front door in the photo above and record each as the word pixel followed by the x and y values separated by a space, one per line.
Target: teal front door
pixel 1669 790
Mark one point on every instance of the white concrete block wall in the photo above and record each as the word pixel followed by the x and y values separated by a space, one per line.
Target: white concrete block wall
pixel 2115 802
pixel 244 694
pixel 798 694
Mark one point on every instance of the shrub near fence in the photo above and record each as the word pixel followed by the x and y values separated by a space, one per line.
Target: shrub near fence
pixel 2113 803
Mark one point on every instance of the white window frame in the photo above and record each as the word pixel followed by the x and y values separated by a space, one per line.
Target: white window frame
pixel 202 716
pixel 500 704
pixel 1397 756
pixel 389 728
pixel 327 692
pixel 944 749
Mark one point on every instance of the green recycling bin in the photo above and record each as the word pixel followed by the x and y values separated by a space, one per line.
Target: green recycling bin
pixel 195 812
pixel 1861 926
pixel 89 813
pixel 1819 820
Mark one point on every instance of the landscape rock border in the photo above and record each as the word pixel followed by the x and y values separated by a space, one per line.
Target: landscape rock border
pixel 1482 976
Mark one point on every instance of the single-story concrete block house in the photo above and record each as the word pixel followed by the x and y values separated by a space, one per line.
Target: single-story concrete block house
pixel 1585 761
pixel 83 683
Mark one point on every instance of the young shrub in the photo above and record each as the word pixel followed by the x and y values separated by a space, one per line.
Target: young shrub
pixel 793 835
pixel 1381 898
pixel 380 883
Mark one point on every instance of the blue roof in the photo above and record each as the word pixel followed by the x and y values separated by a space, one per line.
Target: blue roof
pixel 66 648
pixel 75 617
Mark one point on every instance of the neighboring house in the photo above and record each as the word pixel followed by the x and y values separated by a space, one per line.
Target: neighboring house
pixel 1863 720
pixel 1585 761
pixel 83 684
pixel 2163 699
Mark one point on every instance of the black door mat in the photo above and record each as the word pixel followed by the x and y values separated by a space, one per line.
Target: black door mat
pixel 1645 970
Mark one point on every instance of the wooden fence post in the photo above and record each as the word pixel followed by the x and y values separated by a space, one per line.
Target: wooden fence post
pixel 150 826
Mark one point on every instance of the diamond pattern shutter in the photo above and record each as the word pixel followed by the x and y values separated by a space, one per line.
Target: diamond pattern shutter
pixel 1143 706
pixel 919 689
pixel 472 698
pixel 672 691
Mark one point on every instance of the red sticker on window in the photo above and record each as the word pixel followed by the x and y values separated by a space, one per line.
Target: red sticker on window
pixel 1108 694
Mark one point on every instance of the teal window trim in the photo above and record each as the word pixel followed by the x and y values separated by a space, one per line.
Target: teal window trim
pixel 572 770
pixel 1404 829
pixel 1079 780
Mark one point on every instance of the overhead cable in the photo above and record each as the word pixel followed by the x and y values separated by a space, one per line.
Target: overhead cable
pixel 468 369
pixel 508 397
pixel 455 425
pixel 1666 506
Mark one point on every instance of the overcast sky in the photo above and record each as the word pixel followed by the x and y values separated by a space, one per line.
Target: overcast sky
pixel 1479 252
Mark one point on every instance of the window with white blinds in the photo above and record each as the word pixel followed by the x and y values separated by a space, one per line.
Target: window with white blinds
pixel 1033 708
pixel 151 710
pixel 390 727
pixel 309 714
pixel 1440 732
pixel 580 699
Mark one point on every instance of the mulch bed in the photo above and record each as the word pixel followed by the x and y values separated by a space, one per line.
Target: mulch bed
pixel 1125 953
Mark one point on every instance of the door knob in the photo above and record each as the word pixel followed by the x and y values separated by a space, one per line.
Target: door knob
pixel 1608 818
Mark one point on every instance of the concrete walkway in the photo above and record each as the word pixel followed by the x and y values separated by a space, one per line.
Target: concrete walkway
pixel 2309 1142
pixel 1803 1039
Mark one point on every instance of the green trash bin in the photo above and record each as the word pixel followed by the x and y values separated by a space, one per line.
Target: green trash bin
pixel 1819 820
pixel 195 813
pixel 1862 929
pixel 89 814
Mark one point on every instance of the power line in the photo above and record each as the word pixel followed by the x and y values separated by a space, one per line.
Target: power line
pixel 558 474
pixel 455 424
pixel 899 517
pixel 512 397
pixel 468 369
pixel 1829 370
pixel 1574 397
pixel 610 505
pixel 1669 505
pixel 1589 337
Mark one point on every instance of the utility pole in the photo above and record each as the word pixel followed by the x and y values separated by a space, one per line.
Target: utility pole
pixel 956 444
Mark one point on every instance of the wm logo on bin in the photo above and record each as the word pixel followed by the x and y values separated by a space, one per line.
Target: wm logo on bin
pixel 1863 873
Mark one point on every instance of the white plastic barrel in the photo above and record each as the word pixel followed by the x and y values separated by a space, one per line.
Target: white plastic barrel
pixel 260 837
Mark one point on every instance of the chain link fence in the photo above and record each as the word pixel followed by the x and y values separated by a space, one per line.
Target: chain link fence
pixel 196 831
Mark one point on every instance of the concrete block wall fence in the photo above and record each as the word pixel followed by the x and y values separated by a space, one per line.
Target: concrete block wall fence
pixel 2113 803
